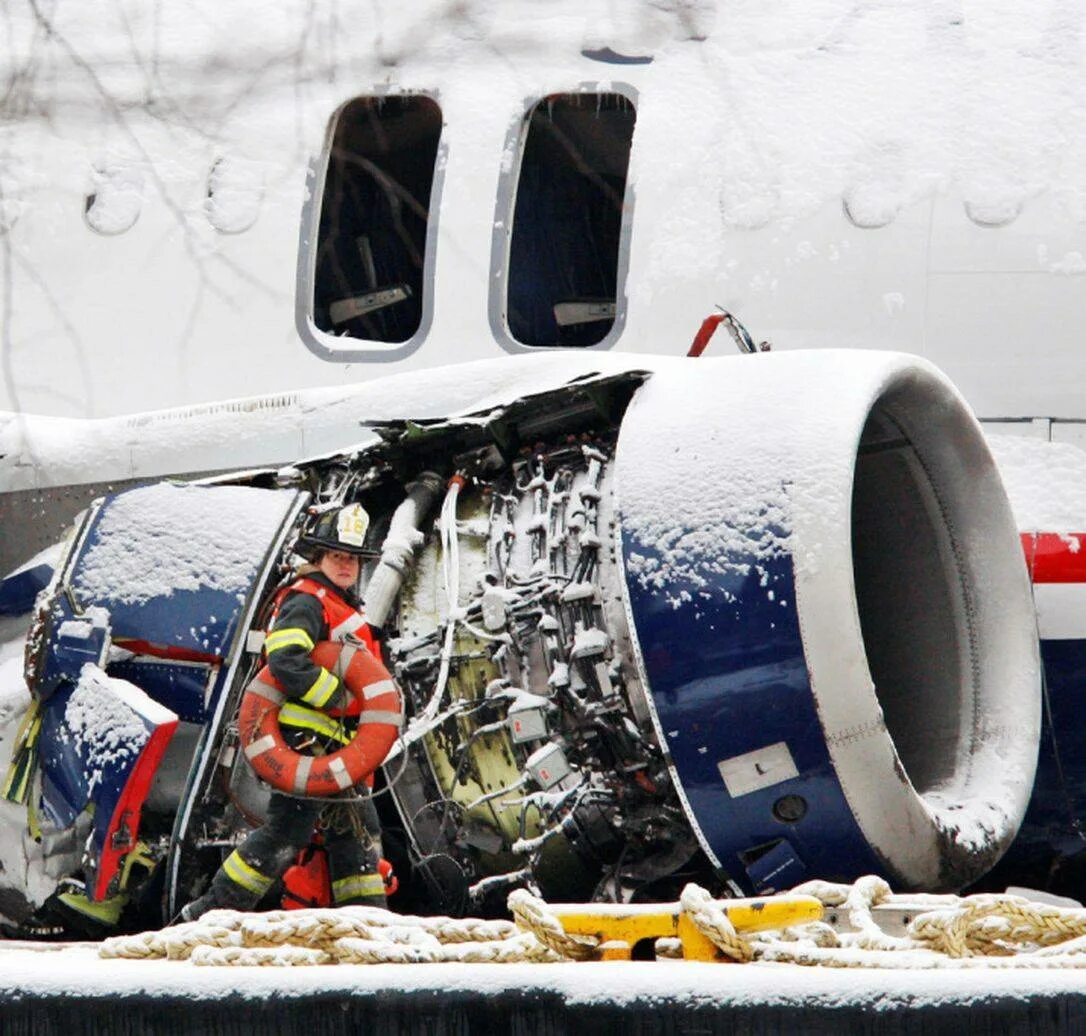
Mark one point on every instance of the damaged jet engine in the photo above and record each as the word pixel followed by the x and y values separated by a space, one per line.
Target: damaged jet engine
pixel 744 621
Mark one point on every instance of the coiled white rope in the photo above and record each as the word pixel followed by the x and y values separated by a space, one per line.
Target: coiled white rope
pixel 347 935
pixel 980 931
pixel 994 931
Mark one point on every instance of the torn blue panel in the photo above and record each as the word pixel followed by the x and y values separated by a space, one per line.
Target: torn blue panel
pixel 175 565
pixel 73 642
pixel 94 735
pixel 776 870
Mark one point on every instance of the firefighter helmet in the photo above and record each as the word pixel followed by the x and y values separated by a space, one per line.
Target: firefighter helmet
pixel 344 529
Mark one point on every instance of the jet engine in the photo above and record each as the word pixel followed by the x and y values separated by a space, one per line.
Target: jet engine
pixel 744 621
pixel 773 624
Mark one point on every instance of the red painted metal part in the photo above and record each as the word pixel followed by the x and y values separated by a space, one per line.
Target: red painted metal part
pixel 125 823
pixel 173 654
pixel 705 332
pixel 1054 557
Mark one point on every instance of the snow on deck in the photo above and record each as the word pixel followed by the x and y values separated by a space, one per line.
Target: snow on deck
pixel 606 997
pixel 76 970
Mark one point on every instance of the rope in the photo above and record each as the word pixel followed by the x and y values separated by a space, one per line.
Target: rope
pixel 289 956
pixel 347 935
pixel 518 948
pixel 1001 926
pixel 533 915
pixel 713 923
pixel 216 928
pixel 992 931
pixel 984 930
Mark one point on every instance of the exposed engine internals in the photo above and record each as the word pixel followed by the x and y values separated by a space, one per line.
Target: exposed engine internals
pixel 531 756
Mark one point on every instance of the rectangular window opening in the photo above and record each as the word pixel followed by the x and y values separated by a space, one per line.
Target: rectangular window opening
pixel 370 264
pixel 568 220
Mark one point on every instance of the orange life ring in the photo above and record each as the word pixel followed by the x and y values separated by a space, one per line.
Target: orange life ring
pixel 379 723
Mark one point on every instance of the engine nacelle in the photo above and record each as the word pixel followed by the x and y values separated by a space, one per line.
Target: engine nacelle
pixel 809 605
pixel 833 617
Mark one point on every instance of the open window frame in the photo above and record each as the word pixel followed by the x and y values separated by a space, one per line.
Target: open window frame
pixel 323 341
pixel 504 226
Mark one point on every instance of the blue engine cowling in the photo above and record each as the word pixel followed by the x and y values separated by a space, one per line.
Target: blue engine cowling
pixel 140 629
pixel 806 588
pixel 832 616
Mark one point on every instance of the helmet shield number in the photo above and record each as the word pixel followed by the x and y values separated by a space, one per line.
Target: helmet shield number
pixel 352 524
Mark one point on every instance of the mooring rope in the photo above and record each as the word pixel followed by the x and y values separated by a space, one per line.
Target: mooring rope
pixel 987 930
pixel 709 919
pixel 347 935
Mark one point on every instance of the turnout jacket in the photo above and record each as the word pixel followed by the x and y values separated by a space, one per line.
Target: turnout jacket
pixel 311 609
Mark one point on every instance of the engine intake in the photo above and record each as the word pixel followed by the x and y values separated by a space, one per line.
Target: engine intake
pixel 833 617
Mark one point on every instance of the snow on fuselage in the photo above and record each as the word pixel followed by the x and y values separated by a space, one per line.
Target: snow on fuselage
pixel 1045 483
pixel 867 178
pixel 170 308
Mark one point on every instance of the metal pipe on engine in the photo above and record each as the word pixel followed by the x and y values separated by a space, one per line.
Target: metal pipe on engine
pixel 399 547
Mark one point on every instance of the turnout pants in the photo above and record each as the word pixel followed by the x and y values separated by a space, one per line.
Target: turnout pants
pixel 351 837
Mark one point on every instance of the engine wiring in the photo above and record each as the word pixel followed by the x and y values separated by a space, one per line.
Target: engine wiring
pixel 516 634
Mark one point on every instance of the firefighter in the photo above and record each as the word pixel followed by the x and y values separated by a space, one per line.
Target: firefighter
pixel 320 604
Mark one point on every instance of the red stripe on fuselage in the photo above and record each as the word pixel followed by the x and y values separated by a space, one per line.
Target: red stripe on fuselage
pixel 1054 557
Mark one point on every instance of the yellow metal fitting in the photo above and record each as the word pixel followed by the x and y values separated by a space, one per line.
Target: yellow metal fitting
pixel 621 926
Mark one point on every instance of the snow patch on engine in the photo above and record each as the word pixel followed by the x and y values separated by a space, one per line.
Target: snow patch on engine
pixel 158 539
pixel 704 496
pixel 103 715
pixel 743 518
pixel 93 618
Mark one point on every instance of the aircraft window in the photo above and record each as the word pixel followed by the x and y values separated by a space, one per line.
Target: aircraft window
pixel 566 254
pixel 113 203
pixel 368 275
pixel 235 189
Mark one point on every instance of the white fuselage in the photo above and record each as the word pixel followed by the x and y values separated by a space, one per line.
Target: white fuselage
pixel 861 178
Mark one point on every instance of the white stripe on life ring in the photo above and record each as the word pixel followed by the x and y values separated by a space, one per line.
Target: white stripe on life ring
pixel 268 693
pixel 348 625
pixel 265 744
pixel 374 690
pixel 301 775
pixel 339 771
pixel 346 657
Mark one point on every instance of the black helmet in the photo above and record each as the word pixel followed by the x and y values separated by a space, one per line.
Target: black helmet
pixel 343 528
